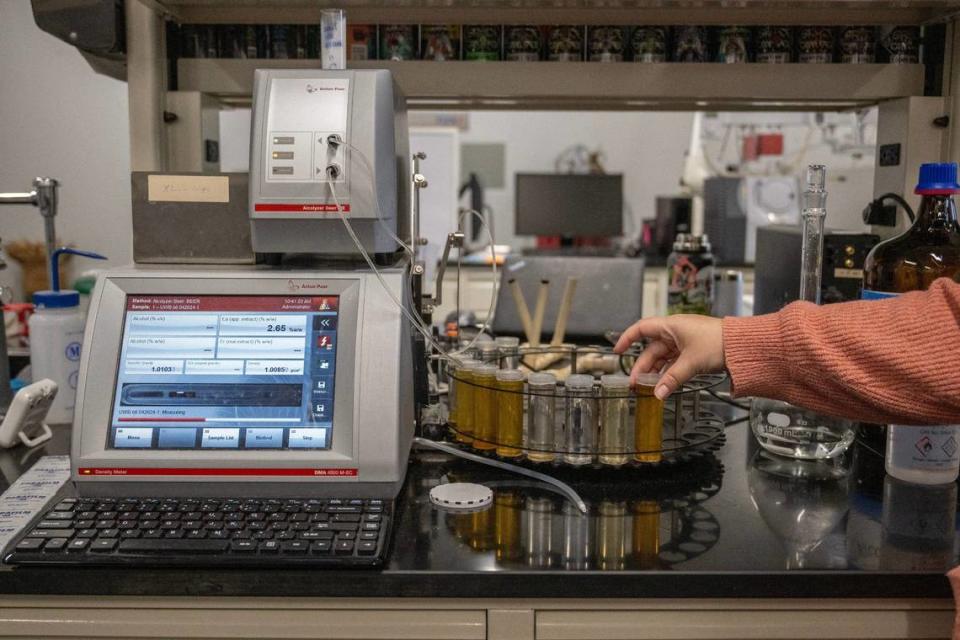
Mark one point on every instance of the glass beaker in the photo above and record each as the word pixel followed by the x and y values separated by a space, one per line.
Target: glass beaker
pixel 541 417
pixel 614 419
pixel 795 432
pixel 581 420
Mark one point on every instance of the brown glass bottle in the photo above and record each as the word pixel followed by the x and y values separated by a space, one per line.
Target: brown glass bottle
pixel 928 250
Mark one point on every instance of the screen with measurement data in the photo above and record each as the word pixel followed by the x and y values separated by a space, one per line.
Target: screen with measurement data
pixel 226 372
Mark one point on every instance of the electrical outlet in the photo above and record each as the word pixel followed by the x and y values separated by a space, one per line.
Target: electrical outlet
pixel 889 155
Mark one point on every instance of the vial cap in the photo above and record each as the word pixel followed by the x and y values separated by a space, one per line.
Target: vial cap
pixel 62 299
pixel 937 178
pixel 580 381
pixel 510 375
pixel 542 377
pixel 648 379
pixel 487 347
pixel 615 381
pixel 508 341
pixel 486 370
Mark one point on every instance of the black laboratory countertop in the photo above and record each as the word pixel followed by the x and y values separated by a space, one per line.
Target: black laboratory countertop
pixel 736 523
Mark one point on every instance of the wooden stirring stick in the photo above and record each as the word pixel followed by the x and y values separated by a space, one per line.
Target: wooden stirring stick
pixel 566 306
pixel 522 309
pixel 539 311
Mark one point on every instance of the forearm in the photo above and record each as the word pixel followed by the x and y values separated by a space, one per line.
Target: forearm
pixel 896 360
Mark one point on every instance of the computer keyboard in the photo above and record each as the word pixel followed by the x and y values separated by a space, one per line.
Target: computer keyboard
pixel 207 531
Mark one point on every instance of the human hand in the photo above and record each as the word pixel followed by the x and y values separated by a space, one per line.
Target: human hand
pixel 689 344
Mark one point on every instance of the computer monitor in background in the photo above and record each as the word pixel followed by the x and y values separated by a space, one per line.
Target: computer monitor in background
pixel 569 205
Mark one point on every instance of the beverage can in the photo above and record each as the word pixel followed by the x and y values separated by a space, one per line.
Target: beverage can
pixel 440 42
pixel 606 44
pixel 858 45
pixel 774 44
pixel 482 42
pixel 902 44
pixel 398 42
pixel 690 269
pixel 524 43
pixel 815 45
pixel 690 44
pixel 649 44
pixel 565 43
pixel 734 45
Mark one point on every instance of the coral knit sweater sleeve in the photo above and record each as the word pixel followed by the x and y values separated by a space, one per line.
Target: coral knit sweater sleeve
pixel 888 361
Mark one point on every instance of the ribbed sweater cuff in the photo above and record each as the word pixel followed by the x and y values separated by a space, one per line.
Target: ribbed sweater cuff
pixel 753 348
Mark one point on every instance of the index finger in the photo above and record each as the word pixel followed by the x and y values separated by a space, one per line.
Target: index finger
pixel 646 328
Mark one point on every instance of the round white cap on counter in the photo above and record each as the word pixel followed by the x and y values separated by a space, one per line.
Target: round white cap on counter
pixel 461 496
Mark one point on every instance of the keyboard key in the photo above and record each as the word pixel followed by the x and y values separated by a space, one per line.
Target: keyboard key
pixel 347 535
pixel 338 509
pixel 54 524
pixel 369 535
pixel 130 533
pixel 295 546
pixel 372 517
pixel 185 547
pixel 87 533
pixel 218 534
pixel 371 526
pixel 30 544
pixel 103 545
pixel 285 535
pixel 321 546
pixel 152 533
pixel 243 546
pixel 343 547
pixel 55 544
pixel 59 515
pixel 346 517
pixel 105 524
pixel 196 534
pixel 366 547
pixel 79 544
pixel 316 535
pixel 173 534
pixel 270 546
pixel 51 533
pixel 109 533
pixel 66 505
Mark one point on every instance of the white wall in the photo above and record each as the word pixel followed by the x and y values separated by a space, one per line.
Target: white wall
pixel 59 118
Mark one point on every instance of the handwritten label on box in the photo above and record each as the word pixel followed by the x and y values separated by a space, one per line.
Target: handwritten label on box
pixel 169 188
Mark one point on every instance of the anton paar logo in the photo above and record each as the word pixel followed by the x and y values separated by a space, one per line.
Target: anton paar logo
pixel 300 285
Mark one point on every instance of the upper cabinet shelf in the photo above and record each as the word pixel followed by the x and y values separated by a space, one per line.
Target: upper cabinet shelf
pixel 706 12
pixel 594 85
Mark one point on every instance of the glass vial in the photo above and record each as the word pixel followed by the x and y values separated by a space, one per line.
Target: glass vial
pixel 485 407
pixel 581 422
pixel 461 404
pixel 541 417
pixel 614 420
pixel 648 422
pixel 509 412
pixel 646 533
pixel 509 351
pixel 538 532
pixel 611 536
pixel 488 353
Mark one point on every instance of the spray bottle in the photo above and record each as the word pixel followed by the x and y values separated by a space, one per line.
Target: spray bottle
pixel 56 336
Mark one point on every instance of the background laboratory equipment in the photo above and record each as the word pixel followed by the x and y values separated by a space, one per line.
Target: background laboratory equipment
pixel 509 412
pixel 615 419
pixel 581 420
pixel 690 272
pixel 727 293
pixel 781 427
pixel 648 421
pixel 541 417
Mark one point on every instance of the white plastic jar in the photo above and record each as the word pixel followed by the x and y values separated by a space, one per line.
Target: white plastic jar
pixel 923 455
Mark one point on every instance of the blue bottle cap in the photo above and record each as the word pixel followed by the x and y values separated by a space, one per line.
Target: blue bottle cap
pixel 937 178
pixel 56 299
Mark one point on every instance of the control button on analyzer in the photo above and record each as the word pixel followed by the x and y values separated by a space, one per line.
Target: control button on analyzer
pixel 264 438
pixel 307 438
pixel 220 439
pixel 178 438
pixel 323 386
pixel 321 410
pixel 127 438
pixel 325 341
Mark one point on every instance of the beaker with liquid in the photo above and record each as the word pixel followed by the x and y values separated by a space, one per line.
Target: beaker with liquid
pixel 485 407
pixel 541 417
pixel 509 412
pixel 461 401
pixel 648 420
pixel 614 419
pixel 581 420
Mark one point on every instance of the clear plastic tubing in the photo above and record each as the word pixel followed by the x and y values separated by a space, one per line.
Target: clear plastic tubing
pixel 509 350
pixel 811 253
pixel 648 421
pixel 462 400
pixel 541 417
pixel 485 407
pixel 614 420
pixel 581 420
pixel 509 412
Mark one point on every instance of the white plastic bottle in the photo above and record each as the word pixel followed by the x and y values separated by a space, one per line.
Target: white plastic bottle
pixel 56 339
pixel 923 455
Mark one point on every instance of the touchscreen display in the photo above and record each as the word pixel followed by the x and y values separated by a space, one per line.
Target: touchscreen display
pixel 226 372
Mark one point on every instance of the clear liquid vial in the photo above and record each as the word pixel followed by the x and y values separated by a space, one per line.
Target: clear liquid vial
pixel 791 431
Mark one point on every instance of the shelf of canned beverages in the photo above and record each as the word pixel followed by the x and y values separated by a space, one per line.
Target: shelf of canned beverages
pixel 545 405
